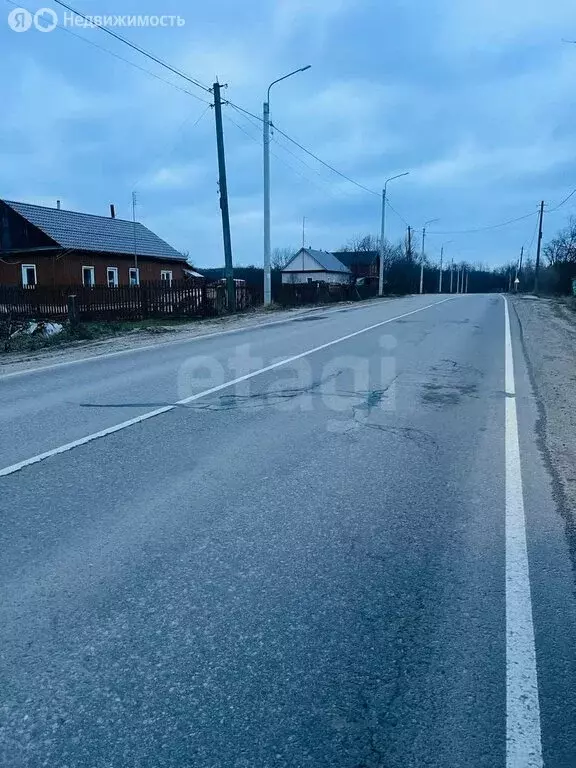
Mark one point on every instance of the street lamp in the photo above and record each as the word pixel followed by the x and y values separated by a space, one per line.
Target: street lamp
pixel 266 121
pixel 431 221
pixel 381 269
pixel 441 264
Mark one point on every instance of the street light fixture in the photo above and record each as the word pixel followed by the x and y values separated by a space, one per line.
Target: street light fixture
pixel 267 249
pixel 431 221
pixel 381 269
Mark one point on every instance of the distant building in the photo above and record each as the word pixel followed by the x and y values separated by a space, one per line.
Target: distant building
pixel 362 264
pixel 310 266
pixel 52 247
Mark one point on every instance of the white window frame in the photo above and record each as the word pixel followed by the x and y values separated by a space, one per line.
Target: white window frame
pixel 168 279
pixel 25 282
pixel 131 270
pixel 93 271
pixel 115 280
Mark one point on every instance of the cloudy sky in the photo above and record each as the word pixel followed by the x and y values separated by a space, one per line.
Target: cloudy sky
pixel 476 98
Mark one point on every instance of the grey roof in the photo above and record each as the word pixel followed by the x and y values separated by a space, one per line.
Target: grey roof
pixel 86 232
pixel 326 260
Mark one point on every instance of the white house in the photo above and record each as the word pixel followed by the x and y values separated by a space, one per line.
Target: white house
pixel 309 266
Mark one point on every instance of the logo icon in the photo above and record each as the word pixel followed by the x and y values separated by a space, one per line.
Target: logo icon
pixel 45 20
pixel 20 20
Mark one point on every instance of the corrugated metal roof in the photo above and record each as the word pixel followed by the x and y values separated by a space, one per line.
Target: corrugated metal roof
pixel 326 260
pixel 86 232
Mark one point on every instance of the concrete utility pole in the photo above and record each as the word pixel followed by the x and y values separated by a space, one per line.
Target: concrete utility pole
pixel 382 233
pixel 451 274
pixel 519 268
pixel 223 185
pixel 409 241
pixel 441 264
pixel 134 201
pixel 267 240
pixel 467 276
pixel 432 221
pixel 540 232
pixel 458 280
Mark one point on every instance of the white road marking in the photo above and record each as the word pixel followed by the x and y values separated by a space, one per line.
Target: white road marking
pixel 172 342
pixel 523 733
pixel 151 414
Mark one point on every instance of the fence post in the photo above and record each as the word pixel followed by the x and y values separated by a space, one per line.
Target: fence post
pixel 72 311
pixel 144 302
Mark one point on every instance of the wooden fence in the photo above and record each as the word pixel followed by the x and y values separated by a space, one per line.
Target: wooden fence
pixel 296 294
pixel 182 299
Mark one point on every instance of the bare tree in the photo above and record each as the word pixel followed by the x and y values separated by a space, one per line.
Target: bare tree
pixel 281 256
pixel 362 244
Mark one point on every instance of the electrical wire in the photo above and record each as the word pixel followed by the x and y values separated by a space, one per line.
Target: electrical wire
pixel 117 56
pixel 166 153
pixel 135 47
pixel 206 89
pixel 485 229
pixel 551 210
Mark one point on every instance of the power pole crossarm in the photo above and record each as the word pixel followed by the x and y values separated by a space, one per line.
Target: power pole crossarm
pixel 229 270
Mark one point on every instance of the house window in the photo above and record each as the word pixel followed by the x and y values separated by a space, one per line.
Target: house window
pixel 29 275
pixel 88 277
pixel 134 276
pixel 310 280
pixel 166 276
pixel 112 277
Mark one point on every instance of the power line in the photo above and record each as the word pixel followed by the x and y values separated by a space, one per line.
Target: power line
pixel 485 229
pixel 551 210
pixel 324 163
pixel 278 157
pixel 396 212
pixel 120 58
pixel 135 47
pixel 166 153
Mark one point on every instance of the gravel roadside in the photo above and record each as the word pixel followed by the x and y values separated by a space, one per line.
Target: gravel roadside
pixel 548 331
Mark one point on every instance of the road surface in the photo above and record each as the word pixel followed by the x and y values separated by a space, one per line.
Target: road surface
pixel 329 542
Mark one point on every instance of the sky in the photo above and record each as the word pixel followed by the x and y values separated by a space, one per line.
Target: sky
pixel 475 98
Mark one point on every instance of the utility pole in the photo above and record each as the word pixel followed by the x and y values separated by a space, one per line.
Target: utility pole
pixel 409 254
pixel 467 276
pixel 451 274
pixel 134 201
pixel 229 270
pixel 382 232
pixel 422 261
pixel 537 270
pixel 518 269
pixel 304 232
pixel 458 280
pixel 441 264
pixel 267 242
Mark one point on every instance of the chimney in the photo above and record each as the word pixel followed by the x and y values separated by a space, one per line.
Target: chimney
pixel 58 205
pixel 112 211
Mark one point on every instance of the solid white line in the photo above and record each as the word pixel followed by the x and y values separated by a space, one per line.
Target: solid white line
pixel 172 342
pixel 523 734
pixel 151 414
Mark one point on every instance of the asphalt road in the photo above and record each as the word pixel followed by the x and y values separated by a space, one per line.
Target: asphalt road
pixel 320 565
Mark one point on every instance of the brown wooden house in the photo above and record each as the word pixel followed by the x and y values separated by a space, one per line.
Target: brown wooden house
pixel 362 264
pixel 53 247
